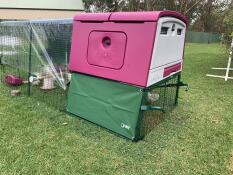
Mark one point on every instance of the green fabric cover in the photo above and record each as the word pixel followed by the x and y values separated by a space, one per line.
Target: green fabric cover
pixel 110 104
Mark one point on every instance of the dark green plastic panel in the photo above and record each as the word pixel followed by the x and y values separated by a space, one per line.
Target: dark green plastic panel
pixel 110 104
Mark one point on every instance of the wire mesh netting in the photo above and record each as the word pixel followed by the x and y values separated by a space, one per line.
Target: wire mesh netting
pixel 166 91
pixel 164 95
pixel 34 56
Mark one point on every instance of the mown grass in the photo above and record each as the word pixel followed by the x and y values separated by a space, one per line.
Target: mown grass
pixel 196 138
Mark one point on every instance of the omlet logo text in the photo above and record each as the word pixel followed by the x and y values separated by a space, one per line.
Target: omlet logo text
pixel 125 126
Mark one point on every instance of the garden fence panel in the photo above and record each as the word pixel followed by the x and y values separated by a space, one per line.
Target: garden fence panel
pixel 202 37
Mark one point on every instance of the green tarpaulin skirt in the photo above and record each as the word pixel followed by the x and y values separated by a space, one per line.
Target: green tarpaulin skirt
pixel 113 105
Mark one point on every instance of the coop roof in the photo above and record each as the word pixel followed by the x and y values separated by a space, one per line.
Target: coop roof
pixel 129 16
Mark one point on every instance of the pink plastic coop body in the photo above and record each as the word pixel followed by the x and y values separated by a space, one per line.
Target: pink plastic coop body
pixel 139 48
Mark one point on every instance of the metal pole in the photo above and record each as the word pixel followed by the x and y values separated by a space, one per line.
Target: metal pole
pixel 177 89
pixel 30 62
pixel 229 62
pixel 228 67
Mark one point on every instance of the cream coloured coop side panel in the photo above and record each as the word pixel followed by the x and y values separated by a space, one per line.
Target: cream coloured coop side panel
pixel 168 48
pixel 169 42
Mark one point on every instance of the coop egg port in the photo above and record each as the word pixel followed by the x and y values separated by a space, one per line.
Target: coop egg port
pixel 123 64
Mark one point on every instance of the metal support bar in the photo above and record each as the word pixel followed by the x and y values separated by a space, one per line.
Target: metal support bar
pixel 30 62
pixel 228 67
pixel 1 66
pixel 217 68
pixel 1 63
pixel 147 108
pixel 218 76
pixel 177 89
pixel 180 84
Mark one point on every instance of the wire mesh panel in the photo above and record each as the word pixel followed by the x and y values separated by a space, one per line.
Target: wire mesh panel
pixel 34 56
pixel 164 95
pixel 14 57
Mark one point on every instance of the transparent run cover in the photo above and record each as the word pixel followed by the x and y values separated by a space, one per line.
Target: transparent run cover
pixel 40 47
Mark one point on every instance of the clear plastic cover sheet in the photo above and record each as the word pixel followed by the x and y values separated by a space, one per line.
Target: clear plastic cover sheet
pixel 41 47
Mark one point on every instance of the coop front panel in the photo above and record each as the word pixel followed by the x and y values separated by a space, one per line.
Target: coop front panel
pixel 168 49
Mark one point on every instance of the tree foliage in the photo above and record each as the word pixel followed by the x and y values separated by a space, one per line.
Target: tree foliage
pixel 187 7
pixel 203 15
pixel 210 15
pixel 228 24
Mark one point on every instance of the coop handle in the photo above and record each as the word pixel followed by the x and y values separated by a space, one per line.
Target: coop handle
pixel 148 107
pixel 171 70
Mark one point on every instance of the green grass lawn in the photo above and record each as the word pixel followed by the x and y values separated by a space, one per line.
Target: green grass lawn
pixel 196 138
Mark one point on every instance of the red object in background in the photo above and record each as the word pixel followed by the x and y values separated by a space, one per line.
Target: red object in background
pixel 13 80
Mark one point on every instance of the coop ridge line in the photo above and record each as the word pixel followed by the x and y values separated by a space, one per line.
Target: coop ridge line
pixel 152 16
